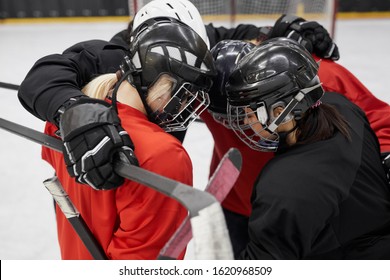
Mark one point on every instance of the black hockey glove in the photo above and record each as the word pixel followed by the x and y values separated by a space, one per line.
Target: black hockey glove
pixel 309 34
pixel 386 165
pixel 264 33
pixel 93 138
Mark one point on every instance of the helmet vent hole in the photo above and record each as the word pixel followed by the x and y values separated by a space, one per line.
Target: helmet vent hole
pixel 178 17
pixel 174 53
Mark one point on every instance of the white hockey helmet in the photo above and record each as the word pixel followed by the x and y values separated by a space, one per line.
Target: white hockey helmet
pixel 182 10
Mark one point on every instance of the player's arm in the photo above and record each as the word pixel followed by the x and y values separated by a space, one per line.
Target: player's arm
pixel 56 79
pixel 52 92
pixel 313 36
pixel 310 34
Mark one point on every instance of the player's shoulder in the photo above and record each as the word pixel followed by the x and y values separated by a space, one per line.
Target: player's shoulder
pixel 92 45
pixel 167 157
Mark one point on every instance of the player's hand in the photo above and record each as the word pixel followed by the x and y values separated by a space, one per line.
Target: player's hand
pixel 310 34
pixel 93 139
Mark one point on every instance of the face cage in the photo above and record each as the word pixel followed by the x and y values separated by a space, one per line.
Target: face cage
pixel 237 117
pixel 182 109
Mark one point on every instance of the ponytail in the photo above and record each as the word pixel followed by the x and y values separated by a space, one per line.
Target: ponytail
pixel 100 87
pixel 321 123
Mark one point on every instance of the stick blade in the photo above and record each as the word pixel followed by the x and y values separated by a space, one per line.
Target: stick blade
pixel 211 236
pixel 219 186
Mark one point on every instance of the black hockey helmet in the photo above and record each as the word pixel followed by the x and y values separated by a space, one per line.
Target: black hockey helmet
pixel 226 55
pixel 275 70
pixel 165 45
pixel 279 72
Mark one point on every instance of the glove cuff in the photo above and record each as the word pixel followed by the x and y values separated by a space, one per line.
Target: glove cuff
pixel 65 106
pixel 264 33
pixel 84 114
pixel 283 24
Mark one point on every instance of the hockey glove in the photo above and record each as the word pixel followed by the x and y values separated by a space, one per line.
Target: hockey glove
pixel 309 34
pixel 93 138
pixel 264 33
pixel 386 165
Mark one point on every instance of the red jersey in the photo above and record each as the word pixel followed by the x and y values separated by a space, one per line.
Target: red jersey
pixel 334 78
pixel 132 221
pixel 238 199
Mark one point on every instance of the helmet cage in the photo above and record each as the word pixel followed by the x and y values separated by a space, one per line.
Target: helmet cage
pixel 247 131
pixel 185 105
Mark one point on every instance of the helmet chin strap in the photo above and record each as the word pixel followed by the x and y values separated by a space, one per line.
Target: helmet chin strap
pixel 115 91
pixel 290 107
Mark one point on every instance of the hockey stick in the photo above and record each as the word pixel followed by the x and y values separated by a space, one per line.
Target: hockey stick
pixel 206 216
pixel 9 86
pixel 219 186
pixel 67 207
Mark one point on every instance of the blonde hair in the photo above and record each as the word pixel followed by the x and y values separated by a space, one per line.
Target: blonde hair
pixel 161 87
pixel 100 87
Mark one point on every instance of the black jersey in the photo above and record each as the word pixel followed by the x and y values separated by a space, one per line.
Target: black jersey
pixel 326 200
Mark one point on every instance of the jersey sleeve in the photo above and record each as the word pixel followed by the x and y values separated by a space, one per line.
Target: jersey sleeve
pixel 147 218
pixel 56 78
pixel 122 38
pixel 338 79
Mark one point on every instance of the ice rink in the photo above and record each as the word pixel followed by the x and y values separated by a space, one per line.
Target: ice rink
pixel 27 224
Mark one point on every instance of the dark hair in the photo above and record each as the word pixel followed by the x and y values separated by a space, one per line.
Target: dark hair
pixel 321 123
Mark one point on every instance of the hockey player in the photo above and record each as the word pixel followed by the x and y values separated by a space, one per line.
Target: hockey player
pixel 324 195
pixel 154 95
pixel 334 77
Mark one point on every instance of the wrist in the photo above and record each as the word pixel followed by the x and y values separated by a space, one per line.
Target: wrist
pixel 65 106
pixel 264 33
pixel 284 24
